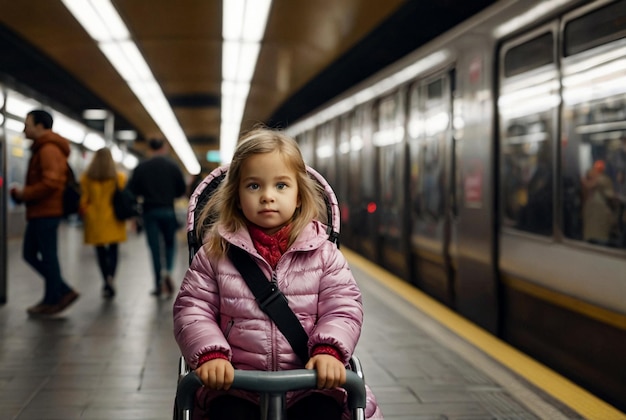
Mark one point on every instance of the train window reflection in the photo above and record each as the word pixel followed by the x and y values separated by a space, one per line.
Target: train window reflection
pixel 530 55
pixel 428 126
pixel 389 138
pixel 527 177
pixel 596 28
pixel 594 172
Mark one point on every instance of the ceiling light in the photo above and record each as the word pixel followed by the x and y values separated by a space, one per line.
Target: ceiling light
pixel 99 18
pixel 102 22
pixel 130 161
pixel 243 27
pixel 126 135
pixel 95 114
pixel 94 141
pixel 68 128
pixel 18 105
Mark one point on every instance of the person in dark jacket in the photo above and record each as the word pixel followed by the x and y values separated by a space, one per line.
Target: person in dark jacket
pixel 159 181
pixel 43 196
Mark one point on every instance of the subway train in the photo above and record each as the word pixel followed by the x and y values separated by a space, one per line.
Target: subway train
pixel 487 168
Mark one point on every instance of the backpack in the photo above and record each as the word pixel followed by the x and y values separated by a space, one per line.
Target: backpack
pixel 71 194
pixel 124 203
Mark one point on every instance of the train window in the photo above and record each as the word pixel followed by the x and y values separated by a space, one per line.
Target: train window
pixel 429 120
pixel 388 135
pixel 435 89
pixel 530 55
pixel 415 131
pixel 325 152
pixel 527 108
pixel 306 144
pixel 366 116
pixel 526 176
pixel 593 146
pixel 594 173
pixel 596 28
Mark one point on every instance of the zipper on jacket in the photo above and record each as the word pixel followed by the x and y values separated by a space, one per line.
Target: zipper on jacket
pixel 229 326
pixel 274 329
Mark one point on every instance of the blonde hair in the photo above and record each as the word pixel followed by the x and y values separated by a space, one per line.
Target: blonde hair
pixel 102 166
pixel 222 209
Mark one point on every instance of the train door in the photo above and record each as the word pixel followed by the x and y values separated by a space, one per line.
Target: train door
pixel 363 195
pixel 528 109
pixel 431 167
pixel 306 141
pixel 389 142
pixel 325 152
pixel 342 189
pixel 3 204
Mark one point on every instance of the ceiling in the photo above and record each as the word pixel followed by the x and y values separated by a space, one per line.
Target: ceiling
pixel 312 51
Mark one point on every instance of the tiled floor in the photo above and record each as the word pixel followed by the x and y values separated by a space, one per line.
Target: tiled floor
pixel 118 360
pixel 97 360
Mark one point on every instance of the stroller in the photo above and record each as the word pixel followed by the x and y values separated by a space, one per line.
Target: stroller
pixel 271 386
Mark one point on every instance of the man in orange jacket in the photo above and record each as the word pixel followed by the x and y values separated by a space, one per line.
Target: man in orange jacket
pixel 43 196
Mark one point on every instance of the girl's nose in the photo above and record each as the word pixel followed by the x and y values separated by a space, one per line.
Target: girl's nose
pixel 267 198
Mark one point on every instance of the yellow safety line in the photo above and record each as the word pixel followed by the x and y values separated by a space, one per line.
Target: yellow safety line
pixel 580 400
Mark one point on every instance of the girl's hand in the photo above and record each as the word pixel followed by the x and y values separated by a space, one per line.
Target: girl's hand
pixel 331 373
pixel 216 374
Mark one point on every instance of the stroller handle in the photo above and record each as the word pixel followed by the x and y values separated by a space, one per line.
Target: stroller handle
pixel 272 382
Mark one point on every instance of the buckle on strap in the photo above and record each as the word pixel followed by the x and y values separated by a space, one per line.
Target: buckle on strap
pixel 271 294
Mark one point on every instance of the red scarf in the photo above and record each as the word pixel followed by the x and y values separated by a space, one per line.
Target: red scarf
pixel 271 247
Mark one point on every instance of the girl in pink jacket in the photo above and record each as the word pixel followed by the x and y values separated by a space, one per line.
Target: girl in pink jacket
pixel 268 206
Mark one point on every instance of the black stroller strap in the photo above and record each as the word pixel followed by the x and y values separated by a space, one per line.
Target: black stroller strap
pixel 271 301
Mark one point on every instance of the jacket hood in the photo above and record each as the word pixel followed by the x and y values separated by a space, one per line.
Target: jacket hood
pixel 52 137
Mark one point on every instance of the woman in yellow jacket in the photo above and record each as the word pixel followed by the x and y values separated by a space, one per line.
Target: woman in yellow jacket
pixel 101 228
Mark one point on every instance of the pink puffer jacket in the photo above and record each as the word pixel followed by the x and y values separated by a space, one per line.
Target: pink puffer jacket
pixel 215 310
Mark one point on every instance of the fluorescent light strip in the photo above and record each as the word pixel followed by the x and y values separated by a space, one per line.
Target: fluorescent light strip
pixel 102 22
pixel 243 27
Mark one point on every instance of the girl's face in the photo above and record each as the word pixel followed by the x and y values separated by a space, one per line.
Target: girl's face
pixel 268 191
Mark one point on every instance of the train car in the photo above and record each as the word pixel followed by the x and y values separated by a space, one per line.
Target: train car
pixel 488 168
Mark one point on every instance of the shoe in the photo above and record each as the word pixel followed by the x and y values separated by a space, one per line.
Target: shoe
pixel 108 292
pixel 40 309
pixel 65 301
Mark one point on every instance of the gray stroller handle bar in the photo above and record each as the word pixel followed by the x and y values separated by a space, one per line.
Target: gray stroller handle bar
pixel 272 382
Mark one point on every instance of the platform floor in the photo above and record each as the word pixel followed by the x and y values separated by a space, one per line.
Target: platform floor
pixel 118 359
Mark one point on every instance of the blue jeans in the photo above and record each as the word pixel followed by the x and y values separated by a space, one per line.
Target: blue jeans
pixel 161 225
pixel 40 251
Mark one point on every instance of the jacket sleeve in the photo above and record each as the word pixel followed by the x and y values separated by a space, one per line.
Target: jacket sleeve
pixel 53 174
pixel 196 313
pixel 340 308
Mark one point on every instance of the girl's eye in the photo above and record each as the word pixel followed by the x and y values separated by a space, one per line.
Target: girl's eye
pixel 253 186
pixel 281 186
